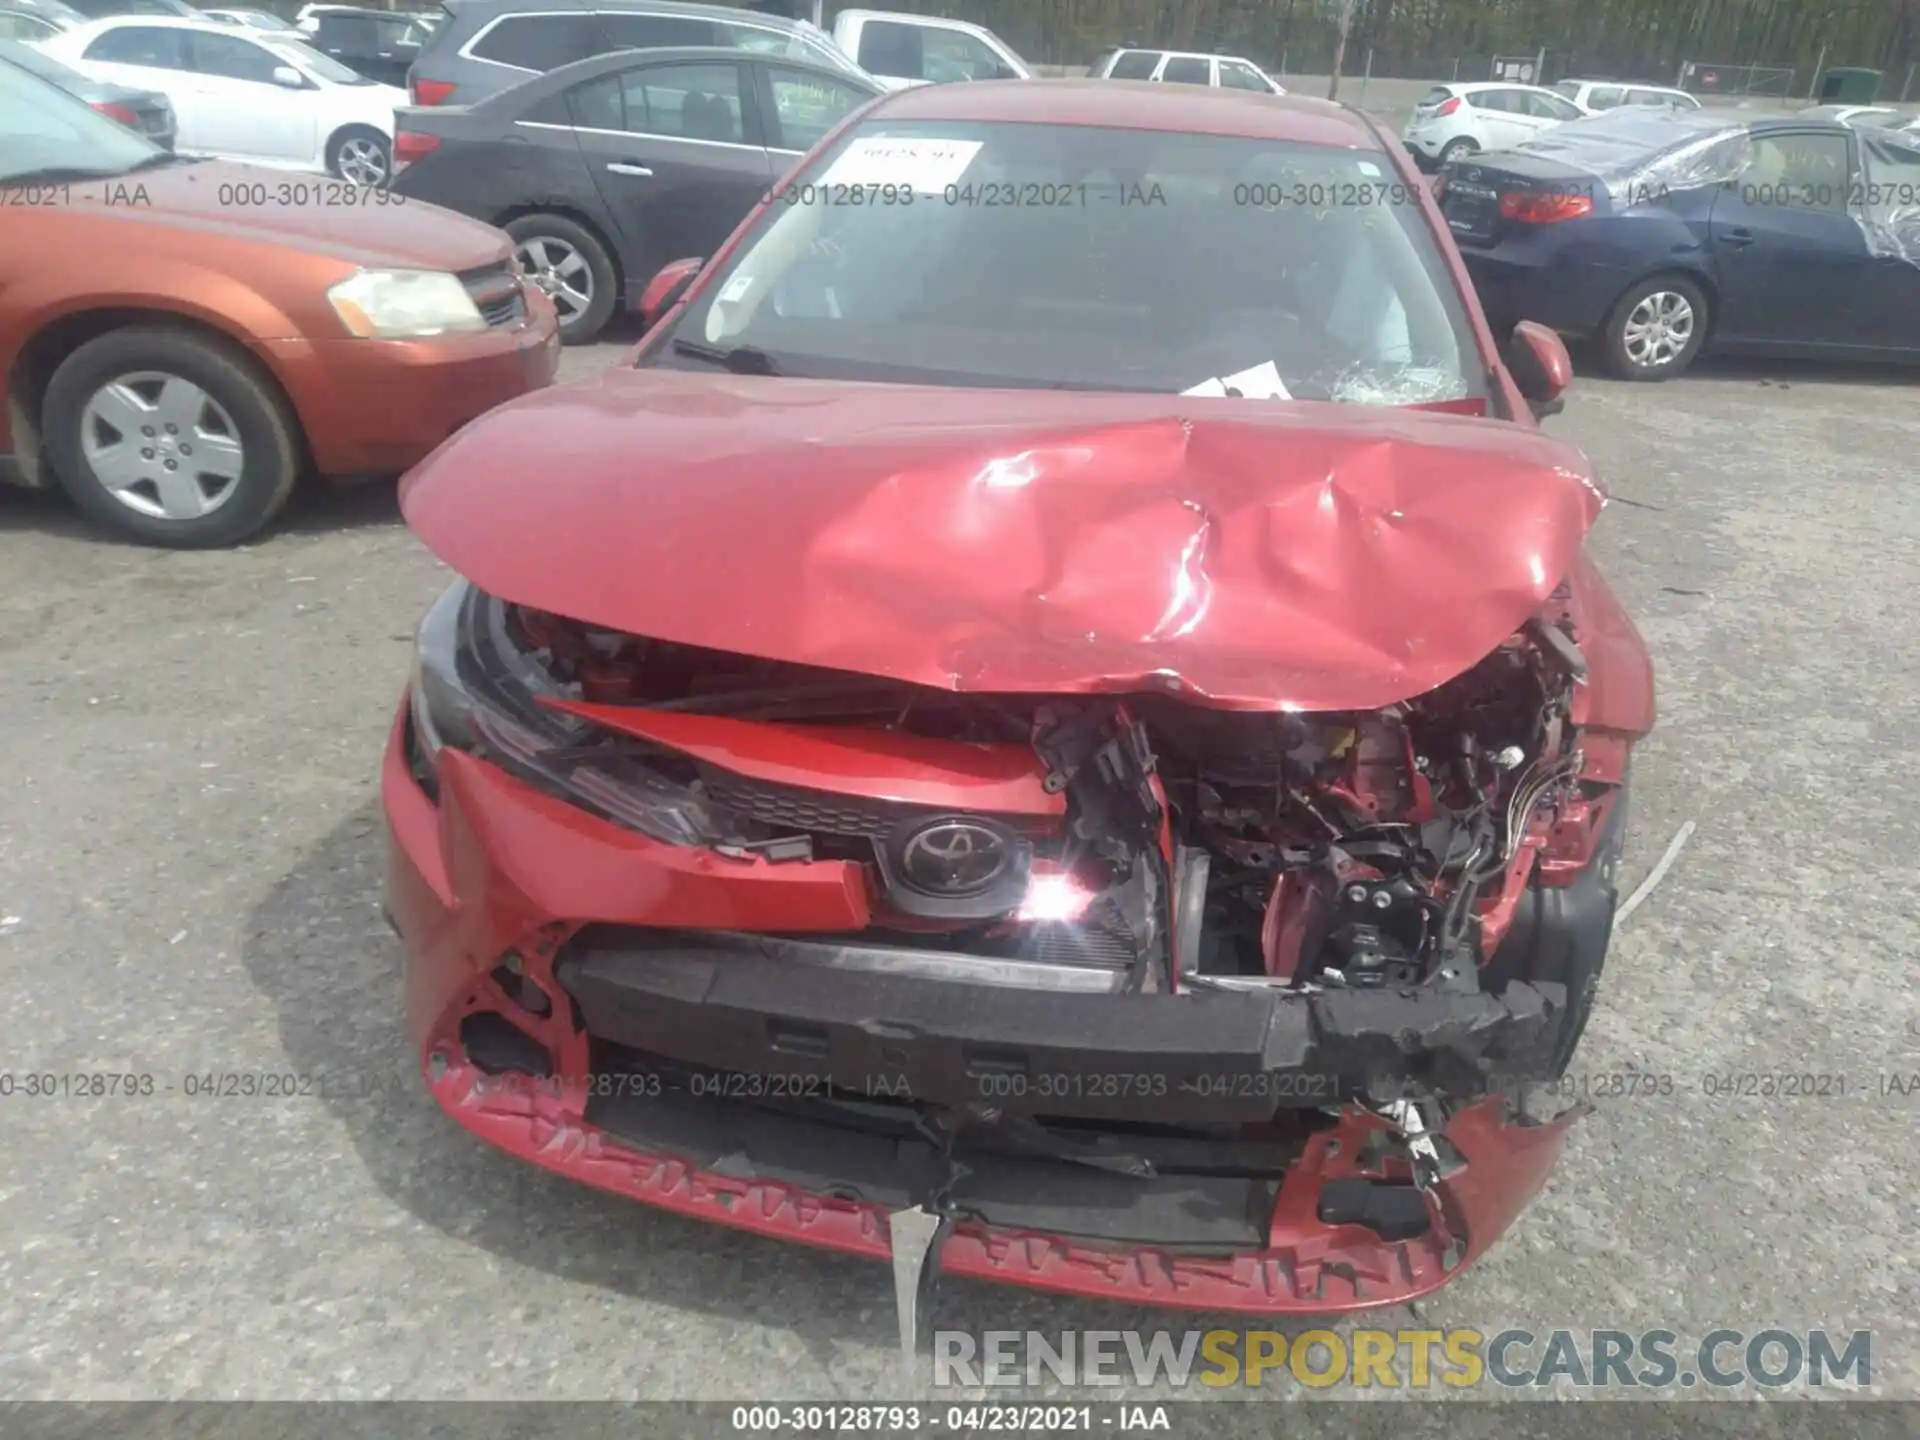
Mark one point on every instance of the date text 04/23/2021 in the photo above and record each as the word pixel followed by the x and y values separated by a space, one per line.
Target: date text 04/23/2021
pixel 949 1419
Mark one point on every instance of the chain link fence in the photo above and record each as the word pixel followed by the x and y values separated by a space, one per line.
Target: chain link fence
pixel 1707 77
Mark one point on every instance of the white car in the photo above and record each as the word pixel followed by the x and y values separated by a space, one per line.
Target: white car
pixel 1455 120
pixel 1596 96
pixel 1186 67
pixel 899 50
pixel 241 95
pixel 260 20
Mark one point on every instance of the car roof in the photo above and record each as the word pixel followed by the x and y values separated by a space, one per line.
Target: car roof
pixel 1139 105
pixel 1473 87
pixel 564 76
pixel 1179 54
pixel 733 13
pixel 157 22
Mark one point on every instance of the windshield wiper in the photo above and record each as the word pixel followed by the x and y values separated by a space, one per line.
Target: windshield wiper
pixel 740 359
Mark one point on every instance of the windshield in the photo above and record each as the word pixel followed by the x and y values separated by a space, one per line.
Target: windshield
pixel 261 20
pixel 1076 257
pixel 46 134
pixel 321 67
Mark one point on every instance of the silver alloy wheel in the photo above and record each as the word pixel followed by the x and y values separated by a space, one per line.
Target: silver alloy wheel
pixel 162 446
pixel 363 161
pixel 1659 329
pixel 560 270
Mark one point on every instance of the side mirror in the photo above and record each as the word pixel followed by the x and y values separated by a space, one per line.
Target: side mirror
pixel 1538 361
pixel 663 292
pixel 289 78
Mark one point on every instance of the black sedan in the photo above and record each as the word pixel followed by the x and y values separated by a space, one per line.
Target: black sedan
pixel 1665 236
pixel 147 111
pixel 607 169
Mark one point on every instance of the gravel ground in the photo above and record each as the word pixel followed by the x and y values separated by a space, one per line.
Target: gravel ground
pixel 189 859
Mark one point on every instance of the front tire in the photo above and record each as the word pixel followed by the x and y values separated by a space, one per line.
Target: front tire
pixel 1656 329
pixel 567 260
pixel 170 439
pixel 362 155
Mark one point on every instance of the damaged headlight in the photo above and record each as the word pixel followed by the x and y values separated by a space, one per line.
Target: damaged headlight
pixel 475 689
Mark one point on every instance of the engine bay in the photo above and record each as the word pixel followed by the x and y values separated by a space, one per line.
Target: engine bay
pixel 1196 846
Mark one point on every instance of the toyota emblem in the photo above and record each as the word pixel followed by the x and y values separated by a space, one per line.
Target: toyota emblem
pixel 954 857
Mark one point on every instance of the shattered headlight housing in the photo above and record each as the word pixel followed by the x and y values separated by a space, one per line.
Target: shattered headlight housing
pixel 475 689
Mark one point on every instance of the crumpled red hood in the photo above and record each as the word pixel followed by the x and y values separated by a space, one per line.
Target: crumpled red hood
pixel 1290 555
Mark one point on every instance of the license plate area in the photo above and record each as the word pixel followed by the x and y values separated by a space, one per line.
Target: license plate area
pixel 1471 210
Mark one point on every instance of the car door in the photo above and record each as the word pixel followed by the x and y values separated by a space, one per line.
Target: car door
pixel 245 111
pixel 1544 111
pixel 1497 121
pixel 1239 75
pixel 675 151
pixel 951 53
pixel 1133 65
pixel 1187 70
pixel 1790 264
pixel 804 106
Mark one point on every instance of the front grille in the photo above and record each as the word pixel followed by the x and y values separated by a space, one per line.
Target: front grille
pixel 822 812
pixel 815 811
pixel 496 294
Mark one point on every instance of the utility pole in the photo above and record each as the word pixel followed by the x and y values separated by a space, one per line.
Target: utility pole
pixel 1340 48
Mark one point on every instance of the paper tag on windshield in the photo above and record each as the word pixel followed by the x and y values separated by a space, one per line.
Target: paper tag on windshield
pixel 1262 382
pixel 735 289
pixel 928 167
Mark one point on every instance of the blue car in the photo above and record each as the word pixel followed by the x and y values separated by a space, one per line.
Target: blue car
pixel 1664 236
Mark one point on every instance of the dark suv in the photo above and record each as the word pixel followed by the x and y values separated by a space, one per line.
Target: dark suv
pixel 486 45
pixel 379 44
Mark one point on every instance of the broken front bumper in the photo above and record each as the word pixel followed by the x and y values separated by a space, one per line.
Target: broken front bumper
pixel 1205 1150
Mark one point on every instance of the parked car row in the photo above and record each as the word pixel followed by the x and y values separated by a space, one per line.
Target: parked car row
pixel 1663 236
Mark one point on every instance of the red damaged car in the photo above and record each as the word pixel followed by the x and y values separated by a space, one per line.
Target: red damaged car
pixel 1052 726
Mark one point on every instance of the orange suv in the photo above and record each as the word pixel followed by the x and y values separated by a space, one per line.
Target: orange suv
pixel 180 340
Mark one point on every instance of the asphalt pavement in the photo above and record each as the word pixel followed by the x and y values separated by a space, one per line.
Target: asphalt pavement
pixel 189 886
